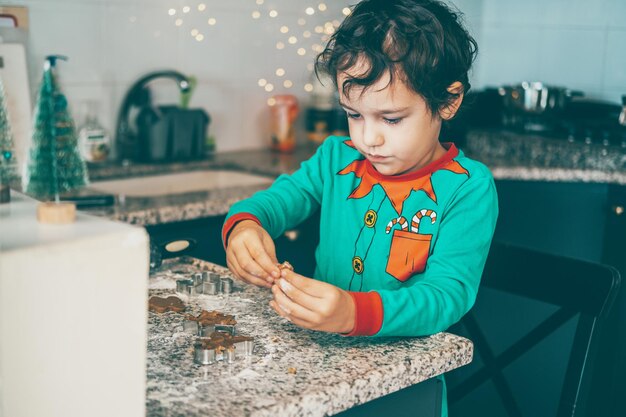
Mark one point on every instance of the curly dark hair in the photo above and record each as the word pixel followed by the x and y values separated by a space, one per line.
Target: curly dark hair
pixel 422 42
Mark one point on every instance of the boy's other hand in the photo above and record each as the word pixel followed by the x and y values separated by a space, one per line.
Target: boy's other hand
pixel 313 304
pixel 251 254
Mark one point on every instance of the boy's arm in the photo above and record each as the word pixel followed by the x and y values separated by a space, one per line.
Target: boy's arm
pixel 447 289
pixel 287 202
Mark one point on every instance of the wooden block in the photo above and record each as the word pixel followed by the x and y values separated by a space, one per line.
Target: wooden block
pixel 56 213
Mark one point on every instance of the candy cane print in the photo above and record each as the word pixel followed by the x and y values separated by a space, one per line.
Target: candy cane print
pixel 404 225
pixel 415 221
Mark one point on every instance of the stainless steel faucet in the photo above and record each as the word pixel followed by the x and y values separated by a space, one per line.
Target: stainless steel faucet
pixel 137 95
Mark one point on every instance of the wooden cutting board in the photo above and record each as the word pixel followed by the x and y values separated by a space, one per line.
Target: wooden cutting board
pixel 14 75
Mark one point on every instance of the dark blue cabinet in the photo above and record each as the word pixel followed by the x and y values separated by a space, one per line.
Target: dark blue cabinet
pixel 579 220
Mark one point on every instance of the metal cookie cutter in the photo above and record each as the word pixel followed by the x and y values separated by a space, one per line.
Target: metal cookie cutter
pixel 226 285
pixel 208 322
pixel 197 282
pixel 185 286
pixel 222 347
pixel 206 331
pixel 211 288
pixel 202 355
pixel 228 328
pixel 211 283
pixel 195 328
pixel 210 277
pixel 191 326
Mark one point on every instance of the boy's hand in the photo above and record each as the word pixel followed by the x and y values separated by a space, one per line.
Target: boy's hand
pixel 313 304
pixel 251 254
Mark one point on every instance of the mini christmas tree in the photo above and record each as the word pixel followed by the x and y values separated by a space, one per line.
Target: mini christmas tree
pixel 8 162
pixel 54 165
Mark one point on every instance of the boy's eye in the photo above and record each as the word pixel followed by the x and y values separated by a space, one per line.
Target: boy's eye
pixel 353 115
pixel 393 121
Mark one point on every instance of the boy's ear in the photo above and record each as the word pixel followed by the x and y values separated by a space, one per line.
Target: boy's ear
pixel 448 111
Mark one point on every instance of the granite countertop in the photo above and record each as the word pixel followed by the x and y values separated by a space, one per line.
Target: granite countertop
pixel 145 211
pixel 332 373
pixel 262 162
pixel 509 155
pixel 530 157
pixel 188 206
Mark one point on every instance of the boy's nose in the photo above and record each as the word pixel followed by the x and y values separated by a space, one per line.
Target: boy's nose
pixel 372 137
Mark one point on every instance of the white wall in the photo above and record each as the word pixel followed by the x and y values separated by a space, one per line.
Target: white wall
pixel 580 44
pixel 574 43
pixel 111 43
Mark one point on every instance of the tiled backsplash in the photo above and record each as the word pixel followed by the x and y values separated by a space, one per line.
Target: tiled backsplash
pixel 111 43
pixel 578 44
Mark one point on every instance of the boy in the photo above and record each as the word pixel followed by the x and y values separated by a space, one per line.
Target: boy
pixel 406 222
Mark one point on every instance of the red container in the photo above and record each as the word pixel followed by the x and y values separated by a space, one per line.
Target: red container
pixel 284 110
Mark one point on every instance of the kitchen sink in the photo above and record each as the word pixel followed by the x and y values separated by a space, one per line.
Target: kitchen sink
pixel 179 183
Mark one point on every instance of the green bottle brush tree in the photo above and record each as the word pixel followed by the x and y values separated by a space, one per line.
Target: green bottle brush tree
pixel 8 162
pixel 54 163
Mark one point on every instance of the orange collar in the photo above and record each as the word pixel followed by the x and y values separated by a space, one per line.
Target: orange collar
pixel 399 187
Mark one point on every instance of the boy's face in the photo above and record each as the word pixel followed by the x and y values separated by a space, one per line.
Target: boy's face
pixel 391 125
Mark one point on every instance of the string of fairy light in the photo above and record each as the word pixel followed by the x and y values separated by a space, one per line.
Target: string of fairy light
pixel 292 38
pixel 178 16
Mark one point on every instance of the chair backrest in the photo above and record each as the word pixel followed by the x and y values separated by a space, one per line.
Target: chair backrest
pixel 534 327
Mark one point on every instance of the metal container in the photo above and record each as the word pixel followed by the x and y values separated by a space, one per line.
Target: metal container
pixel 210 288
pixel 204 356
pixel 205 331
pixel 228 328
pixel 226 285
pixel 231 354
pixel 192 290
pixel 284 110
pixel 246 347
pixel 184 286
pixel 197 283
pixel 535 97
pixel 191 326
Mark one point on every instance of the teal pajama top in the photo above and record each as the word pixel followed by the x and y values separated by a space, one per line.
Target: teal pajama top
pixel 410 249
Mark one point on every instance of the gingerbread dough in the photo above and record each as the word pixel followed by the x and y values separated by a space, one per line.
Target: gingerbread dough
pixel 221 341
pixel 207 318
pixel 285 265
pixel 161 305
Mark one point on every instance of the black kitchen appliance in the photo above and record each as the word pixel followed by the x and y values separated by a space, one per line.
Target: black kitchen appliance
pixel 159 133
pixel 170 133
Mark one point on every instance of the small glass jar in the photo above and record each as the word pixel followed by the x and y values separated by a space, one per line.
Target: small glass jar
pixel 94 141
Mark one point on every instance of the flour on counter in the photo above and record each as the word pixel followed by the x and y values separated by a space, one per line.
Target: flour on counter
pixel 161 283
pixel 247 373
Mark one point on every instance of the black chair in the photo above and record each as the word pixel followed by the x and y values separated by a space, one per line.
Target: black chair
pixel 534 326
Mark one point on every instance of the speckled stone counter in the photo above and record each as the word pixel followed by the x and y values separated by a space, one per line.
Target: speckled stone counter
pixel 262 162
pixel 172 208
pixel 188 206
pixel 516 156
pixel 332 373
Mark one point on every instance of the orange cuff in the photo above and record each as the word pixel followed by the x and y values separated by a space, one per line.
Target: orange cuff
pixel 369 313
pixel 232 221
